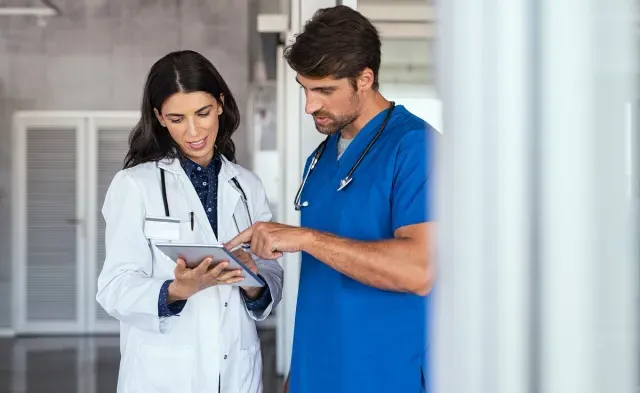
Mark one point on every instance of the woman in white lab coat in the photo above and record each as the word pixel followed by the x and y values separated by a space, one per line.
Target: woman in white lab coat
pixel 184 330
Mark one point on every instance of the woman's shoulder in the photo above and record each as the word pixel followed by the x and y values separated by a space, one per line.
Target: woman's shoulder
pixel 139 172
pixel 138 175
pixel 140 169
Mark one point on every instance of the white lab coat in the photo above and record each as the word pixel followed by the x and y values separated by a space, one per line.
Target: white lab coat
pixel 214 338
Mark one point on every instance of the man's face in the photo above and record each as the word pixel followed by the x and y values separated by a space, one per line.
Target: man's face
pixel 333 103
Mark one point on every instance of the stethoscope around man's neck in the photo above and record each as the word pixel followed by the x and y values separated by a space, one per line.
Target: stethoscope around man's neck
pixel 347 179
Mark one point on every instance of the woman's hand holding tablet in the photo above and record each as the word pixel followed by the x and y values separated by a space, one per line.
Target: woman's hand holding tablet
pixel 190 281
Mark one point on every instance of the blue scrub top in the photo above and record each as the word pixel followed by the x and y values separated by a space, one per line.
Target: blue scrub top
pixel 350 337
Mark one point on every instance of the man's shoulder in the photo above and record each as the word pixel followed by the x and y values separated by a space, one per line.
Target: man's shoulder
pixel 408 131
pixel 404 121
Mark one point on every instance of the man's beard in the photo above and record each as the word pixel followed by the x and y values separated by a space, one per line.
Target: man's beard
pixel 335 124
pixel 338 123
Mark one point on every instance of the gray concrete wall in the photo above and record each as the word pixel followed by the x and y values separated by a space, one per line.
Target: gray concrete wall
pixel 95 57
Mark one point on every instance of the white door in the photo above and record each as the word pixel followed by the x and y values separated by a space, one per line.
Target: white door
pixel 50 232
pixel 108 145
pixel 63 165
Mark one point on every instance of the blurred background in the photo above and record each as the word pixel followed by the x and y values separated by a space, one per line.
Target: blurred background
pixel 537 191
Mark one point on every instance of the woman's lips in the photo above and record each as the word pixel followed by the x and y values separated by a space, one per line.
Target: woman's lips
pixel 197 145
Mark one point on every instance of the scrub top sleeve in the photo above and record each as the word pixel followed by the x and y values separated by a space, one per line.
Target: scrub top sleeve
pixel 410 198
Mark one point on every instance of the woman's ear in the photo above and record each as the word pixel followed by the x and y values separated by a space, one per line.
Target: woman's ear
pixel 221 104
pixel 159 117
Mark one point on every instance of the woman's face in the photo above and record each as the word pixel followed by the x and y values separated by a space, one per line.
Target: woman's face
pixel 192 121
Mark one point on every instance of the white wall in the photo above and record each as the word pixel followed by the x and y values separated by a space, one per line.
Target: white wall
pixel 408 61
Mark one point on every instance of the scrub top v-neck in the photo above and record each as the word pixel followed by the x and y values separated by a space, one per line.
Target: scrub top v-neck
pixel 349 336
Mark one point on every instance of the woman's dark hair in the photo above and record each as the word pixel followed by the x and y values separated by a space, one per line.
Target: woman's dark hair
pixel 186 72
pixel 337 42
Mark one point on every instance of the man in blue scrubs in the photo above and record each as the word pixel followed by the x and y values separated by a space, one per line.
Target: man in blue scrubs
pixel 361 323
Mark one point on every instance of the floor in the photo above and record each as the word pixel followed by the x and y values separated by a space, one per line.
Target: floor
pixel 85 364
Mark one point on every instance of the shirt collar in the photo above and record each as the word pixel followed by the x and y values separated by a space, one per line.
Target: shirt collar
pixel 190 166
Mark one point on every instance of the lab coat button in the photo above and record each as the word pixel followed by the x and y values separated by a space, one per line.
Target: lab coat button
pixel 225 304
pixel 225 357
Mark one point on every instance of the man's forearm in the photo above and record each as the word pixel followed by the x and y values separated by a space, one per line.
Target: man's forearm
pixel 399 265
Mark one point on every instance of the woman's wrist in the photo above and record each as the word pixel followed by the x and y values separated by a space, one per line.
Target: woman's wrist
pixel 176 293
pixel 252 293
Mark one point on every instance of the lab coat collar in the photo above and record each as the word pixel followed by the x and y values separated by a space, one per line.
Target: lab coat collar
pixel 228 198
pixel 170 165
pixel 227 171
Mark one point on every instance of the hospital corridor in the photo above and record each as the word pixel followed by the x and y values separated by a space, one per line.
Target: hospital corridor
pixel 303 196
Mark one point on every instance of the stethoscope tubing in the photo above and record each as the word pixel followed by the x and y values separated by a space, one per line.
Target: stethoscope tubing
pixel 349 177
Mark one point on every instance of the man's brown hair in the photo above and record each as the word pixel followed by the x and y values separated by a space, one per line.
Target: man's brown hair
pixel 337 42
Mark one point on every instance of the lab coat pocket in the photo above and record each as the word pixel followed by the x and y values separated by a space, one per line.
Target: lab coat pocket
pixel 162 228
pixel 164 368
pixel 250 369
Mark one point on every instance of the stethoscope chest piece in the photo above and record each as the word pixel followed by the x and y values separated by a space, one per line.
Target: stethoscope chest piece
pixel 344 182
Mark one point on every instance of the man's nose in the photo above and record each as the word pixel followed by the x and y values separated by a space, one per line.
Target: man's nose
pixel 312 106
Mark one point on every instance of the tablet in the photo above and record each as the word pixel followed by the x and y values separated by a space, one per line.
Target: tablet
pixel 193 254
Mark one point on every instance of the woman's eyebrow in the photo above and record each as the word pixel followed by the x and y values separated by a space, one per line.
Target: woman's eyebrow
pixel 197 111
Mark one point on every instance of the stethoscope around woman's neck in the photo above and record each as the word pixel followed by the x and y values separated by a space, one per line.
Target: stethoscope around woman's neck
pixel 234 183
pixel 349 178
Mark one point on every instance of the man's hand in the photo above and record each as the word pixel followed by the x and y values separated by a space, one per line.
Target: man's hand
pixel 270 239
pixel 245 257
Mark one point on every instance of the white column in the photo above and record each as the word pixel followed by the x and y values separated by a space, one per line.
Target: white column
pixel 588 264
pixel 537 285
pixel 300 138
pixel 482 294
